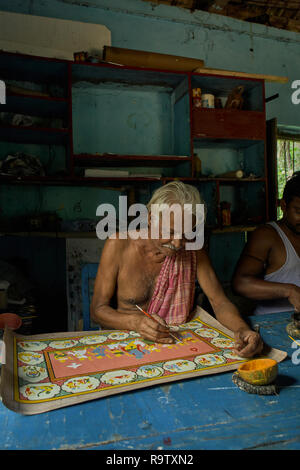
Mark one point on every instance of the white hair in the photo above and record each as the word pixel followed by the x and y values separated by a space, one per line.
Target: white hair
pixel 176 192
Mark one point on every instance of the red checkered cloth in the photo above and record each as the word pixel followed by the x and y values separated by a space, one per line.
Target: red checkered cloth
pixel 173 297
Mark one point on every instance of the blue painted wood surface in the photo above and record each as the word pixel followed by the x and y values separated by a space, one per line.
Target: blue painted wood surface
pixel 205 413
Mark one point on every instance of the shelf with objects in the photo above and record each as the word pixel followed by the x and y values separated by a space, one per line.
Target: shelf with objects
pixel 230 108
pixel 228 132
pixel 35 121
pixel 110 126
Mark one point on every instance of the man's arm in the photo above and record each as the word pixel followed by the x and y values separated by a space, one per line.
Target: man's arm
pixel 104 289
pixel 248 342
pixel 247 279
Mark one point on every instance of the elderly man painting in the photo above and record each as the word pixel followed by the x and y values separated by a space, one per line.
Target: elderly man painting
pixel 159 275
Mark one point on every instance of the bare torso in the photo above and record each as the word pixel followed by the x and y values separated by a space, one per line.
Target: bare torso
pixel 139 268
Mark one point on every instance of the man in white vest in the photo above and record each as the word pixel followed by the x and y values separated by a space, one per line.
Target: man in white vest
pixel 269 268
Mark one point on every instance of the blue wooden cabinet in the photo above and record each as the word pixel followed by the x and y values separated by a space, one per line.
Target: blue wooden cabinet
pixel 141 121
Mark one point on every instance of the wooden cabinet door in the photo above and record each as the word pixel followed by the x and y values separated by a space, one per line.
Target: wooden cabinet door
pixel 228 124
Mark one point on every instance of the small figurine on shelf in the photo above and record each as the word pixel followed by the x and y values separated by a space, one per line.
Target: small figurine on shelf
pixel 197 94
pixel 235 99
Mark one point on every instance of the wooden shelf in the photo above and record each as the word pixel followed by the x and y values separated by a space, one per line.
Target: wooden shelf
pixel 50 234
pixel 225 112
pixel 204 179
pixel 23 180
pixel 101 73
pixel 34 135
pixel 82 181
pixel 110 159
pixel 32 68
pixel 235 228
pixel 73 181
pixel 93 234
pixel 224 143
pixel 43 106
pixel 29 95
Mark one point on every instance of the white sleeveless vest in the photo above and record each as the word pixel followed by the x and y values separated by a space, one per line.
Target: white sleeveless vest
pixel 289 273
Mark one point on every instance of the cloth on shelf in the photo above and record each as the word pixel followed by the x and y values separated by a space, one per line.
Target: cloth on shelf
pixel 21 164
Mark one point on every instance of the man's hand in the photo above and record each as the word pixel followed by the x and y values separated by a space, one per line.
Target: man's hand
pixel 247 343
pixel 294 298
pixel 154 329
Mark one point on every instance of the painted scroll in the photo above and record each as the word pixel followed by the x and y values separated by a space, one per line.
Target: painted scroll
pixel 45 372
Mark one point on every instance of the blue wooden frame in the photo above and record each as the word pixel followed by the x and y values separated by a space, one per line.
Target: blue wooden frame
pixel 89 271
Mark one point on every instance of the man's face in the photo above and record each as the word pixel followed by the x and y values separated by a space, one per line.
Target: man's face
pixel 171 241
pixel 291 214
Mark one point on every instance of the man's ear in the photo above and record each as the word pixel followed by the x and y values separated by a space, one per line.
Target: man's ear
pixel 283 205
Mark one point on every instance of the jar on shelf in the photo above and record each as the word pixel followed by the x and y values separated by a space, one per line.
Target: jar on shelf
pixel 225 213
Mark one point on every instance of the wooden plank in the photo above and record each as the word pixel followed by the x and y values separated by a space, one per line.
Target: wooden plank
pixel 138 58
pixel 232 73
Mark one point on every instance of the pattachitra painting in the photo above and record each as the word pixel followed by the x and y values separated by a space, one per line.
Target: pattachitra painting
pixel 44 372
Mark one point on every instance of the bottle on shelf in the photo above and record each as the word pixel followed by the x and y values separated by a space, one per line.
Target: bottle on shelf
pixel 198 166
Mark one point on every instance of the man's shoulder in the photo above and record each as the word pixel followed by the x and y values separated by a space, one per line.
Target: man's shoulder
pixel 262 239
pixel 265 231
pixel 117 241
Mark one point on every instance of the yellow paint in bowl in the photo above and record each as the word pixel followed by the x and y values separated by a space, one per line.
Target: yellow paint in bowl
pixel 259 371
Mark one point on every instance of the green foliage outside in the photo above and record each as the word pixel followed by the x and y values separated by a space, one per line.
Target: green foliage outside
pixel 288 162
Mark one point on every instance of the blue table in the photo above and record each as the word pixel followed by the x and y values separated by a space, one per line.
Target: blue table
pixel 205 413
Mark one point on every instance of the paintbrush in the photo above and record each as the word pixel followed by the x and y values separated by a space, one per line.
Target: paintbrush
pixel 294 340
pixel 150 316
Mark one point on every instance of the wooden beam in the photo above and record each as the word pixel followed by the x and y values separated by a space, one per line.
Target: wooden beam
pixel 231 73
